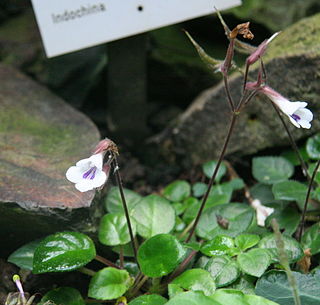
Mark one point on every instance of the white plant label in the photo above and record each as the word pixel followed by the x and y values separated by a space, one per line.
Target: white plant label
pixel 70 25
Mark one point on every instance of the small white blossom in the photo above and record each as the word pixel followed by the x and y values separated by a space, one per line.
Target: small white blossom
pixel 262 211
pixel 88 173
pixel 297 112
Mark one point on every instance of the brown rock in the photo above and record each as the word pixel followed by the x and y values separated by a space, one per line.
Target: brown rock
pixel 40 137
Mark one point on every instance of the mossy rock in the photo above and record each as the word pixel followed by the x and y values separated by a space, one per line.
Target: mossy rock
pixel 40 137
pixel 292 64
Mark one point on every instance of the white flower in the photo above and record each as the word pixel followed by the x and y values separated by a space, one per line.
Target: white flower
pixel 262 211
pixel 297 112
pixel 88 173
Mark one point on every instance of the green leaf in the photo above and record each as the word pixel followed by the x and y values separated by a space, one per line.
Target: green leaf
pixel 196 280
pixel 180 225
pixel 292 157
pixel 311 239
pixel 177 190
pixel 293 248
pixel 288 219
pixel 246 241
pixel 160 254
pixel 263 192
pixel 245 284
pixel 291 191
pixel 223 269
pixel 219 194
pixel 239 217
pixel 127 249
pixel 270 170
pixel 192 298
pixel 62 296
pixel 219 245
pixel 63 251
pixel 254 262
pixel 109 283
pixel 149 299
pixel 236 297
pixel 113 230
pixel 274 285
pixel 23 257
pixel 113 202
pixel 192 209
pixel 179 208
pixel 198 189
pixel 236 184
pixel 209 167
pixel 173 290
pixel 313 147
pixel 154 215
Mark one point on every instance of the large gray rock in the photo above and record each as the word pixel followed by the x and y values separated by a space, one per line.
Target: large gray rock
pixel 292 64
pixel 40 137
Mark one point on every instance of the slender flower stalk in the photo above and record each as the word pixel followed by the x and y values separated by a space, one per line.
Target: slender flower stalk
pixel 125 207
pixel 106 262
pixel 307 201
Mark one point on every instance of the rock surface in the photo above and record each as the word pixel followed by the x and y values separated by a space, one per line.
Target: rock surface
pixel 40 137
pixel 292 64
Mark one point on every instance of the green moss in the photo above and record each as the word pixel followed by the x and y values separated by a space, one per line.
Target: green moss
pixel 300 38
pixel 51 138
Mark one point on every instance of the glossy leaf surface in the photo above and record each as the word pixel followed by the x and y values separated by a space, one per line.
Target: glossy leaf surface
pixel 270 170
pixel 113 202
pixel 154 215
pixel 62 295
pixel 219 245
pixel 196 280
pixel 254 262
pixel 113 229
pixel 223 269
pixel 109 283
pixel 23 257
pixel 63 251
pixel 177 191
pixel 160 254
pixel 149 299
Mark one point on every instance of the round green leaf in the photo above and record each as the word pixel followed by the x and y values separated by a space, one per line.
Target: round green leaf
pixel 209 167
pixel 154 215
pixel 177 190
pixel 149 299
pixel 293 248
pixel 198 189
pixel 270 170
pixel 238 216
pixel 313 147
pixel 196 280
pixel 219 245
pixel 63 296
pixel 23 257
pixel 254 262
pixel 274 285
pixel 291 191
pixel 236 297
pixel 288 219
pixel 245 284
pixel 219 194
pixel 173 290
pixel 113 202
pixel 311 239
pixel 179 208
pixel 63 251
pixel 192 298
pixel 263 192
pixel 113 230
pixel 246 241
pixel 109 283
pixel 223 269
pixel 160 254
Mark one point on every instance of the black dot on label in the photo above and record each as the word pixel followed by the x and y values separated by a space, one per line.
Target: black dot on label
pixel 140 8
